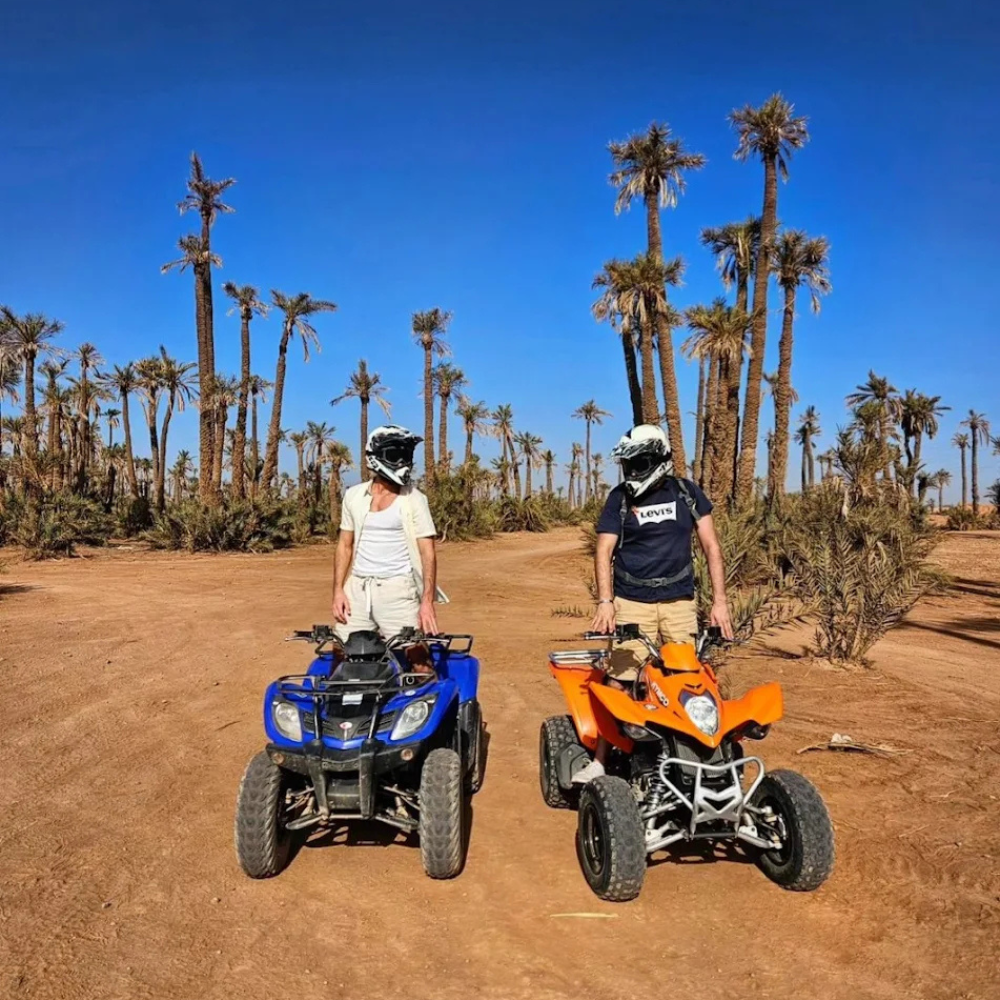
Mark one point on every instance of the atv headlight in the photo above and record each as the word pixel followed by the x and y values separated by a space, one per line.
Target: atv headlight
pixel 412 718
pixel 703 712
pixel 287 720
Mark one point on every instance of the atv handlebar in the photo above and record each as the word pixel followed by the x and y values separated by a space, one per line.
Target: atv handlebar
pixel 323 635
pixel 711 636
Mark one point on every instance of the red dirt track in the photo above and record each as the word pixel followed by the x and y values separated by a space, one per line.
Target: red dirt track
pixel 132 695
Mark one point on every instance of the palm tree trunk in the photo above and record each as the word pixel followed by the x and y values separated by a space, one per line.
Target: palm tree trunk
pixel 572 495
pixel 469 431
pixel 812 464
pixel 161 471
pixel 206 382
pixel 154 447
pixel 302 471
pixel 516 466
pixel 548 478
pixel 254 447
pixel 30 416
pixel 699 421
pixel 665 345
pixel 335 498
pixel 133 482
pixel 782 399
pixel 219 441
pixel 758 335
pixel 274 430
pixel 650 407
pixel 366 473
pixel 632 376
pixel 240 438
pixel 443 435
pixel 587 482
pixel 428 415
pixel 965 485
pixel 729 393
pixel 917 441
pixel 975 472
pixel 940 496
pixel 805 468
pixel 527 476
pixel 711 420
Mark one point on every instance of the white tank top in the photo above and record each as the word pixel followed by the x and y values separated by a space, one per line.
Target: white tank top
pixel 382 550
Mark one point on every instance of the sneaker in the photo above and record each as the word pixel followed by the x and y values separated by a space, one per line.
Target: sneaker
pixel 593 770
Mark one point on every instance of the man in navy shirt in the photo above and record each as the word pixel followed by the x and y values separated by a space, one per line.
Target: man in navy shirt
pixel 643 564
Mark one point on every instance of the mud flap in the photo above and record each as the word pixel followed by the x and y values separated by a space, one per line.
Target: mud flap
pixel 571 758
pixel 366 778
pixel 470 723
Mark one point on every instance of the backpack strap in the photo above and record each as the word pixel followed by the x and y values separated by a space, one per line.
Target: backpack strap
pixel 688 498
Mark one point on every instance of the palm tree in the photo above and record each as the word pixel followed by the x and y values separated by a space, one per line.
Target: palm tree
pixel 808 429
pixel 503 428
pixel 226 394
pixel 474 417
pixel 576 451
pixel 528 443
pixel 176 379
pixel 591 414
pixel 180 472
pixel 111 415
pixel 918 416
pixel 196 253
pixel 258 390
pixel 122 381
pixel 735 246
pixel 598 462
pixel 299 439
pixel 56 400
pixel 88 358
pixel 338 456
pixel 320 435
pixel 297 309
pixel 247 301
pixel 651 166
pixel 27 338
pixel 961 442
pixel 798 260
pixel 364 386
pixel 548 459
pixel 429 330
pixel 979 433
pixel 942 478
pixel 605 309
pixel 719 334
pixel 149 376
pixel 885 408
pixel 826 460
pixel 447 379
pixel 771 132
pixel 10 371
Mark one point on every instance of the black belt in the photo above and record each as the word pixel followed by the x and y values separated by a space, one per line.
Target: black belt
pixel 658 581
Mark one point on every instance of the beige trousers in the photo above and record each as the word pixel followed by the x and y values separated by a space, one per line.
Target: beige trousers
pixel 665 621
pixel 383 604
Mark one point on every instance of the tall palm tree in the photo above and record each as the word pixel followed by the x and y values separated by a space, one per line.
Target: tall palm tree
pixel 942 478
pixel 429 330
pixel 320 435
pixel 225 395
pixel 338 457
pixel 447 380
pixel 885 407
pixel 548 459
pixel 259 388
pixel 503 428
pixel 28 338
pixel 771 132
pixel 196 253
pixel 961 442
pixel 798 260
pixel 111 415
pixel 651 166
pixel 246 301
pixel 297 310
pixel 180 473
pixel 719 334
pixel 149 375
pixel 474 421
pixel 55 400
pixel 979 433
pixel 735 246
pixel 807 430
pixel 364 386
pixel 528 443
pixel 590 413
pixel 605 309
pixel 177 380
pixel 918 416
pixel 826 460
pixel 10 371
pixel 122 381
pixel 299 440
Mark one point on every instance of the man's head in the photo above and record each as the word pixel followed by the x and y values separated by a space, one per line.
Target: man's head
pixel 389 453
pixel 646 459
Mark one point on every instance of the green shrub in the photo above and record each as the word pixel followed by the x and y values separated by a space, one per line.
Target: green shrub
pixel 513 514
pixel 53 525
pixel 962 519
pixel 133 516
pixel 458 513
pixel 234 526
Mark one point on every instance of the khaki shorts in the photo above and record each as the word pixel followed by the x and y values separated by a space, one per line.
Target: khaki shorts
pixel 665 621
pixel 386 605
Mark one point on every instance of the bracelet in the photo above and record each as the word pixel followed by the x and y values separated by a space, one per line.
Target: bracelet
pixel 606 601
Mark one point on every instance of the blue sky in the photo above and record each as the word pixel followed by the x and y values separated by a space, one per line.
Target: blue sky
pixel 397 156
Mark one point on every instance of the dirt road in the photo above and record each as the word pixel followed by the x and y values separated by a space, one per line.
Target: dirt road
pixel 132 688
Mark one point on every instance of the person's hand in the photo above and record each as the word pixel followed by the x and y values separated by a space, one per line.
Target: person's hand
pixel 427 618
pixel 720 618
pixel 604 618
pixel 341 607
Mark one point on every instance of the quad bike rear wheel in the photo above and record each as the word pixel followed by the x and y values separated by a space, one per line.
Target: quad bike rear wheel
pixel 556 734
pixel 263 844
pixel 805 860
pixel 609 840
pixel 442 822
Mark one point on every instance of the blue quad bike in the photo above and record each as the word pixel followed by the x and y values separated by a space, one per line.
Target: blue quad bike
pixel 387 730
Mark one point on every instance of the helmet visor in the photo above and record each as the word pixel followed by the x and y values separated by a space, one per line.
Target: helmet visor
pixel 395 455
pixel 641 466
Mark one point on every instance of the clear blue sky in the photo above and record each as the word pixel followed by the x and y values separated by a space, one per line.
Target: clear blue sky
pixel 396 156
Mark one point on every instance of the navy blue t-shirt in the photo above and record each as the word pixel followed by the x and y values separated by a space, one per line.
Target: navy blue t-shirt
pixel 657 541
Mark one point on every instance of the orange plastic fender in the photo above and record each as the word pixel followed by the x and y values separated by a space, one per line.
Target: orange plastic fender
pixel 762 705
pixel 590 716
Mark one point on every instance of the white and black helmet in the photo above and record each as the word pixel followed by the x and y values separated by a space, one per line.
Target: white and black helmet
pixel 389 453
pixel 646 459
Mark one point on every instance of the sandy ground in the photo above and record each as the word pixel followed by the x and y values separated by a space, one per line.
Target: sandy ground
pixel 132 688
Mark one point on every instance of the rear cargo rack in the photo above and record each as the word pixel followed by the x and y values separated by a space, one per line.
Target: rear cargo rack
pixel 580 657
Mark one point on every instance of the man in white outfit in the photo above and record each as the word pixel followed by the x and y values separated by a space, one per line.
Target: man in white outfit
pixel 385 569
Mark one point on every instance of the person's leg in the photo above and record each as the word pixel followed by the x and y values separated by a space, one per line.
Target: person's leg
pixel 395 604
pixel 679 620
pixel 623 665
pixel 360 619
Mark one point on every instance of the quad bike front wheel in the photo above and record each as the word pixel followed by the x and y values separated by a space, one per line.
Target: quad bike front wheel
pixel 556 734
pixel 263 844
pixel 801 821
pixel 609 840
pixel 442 823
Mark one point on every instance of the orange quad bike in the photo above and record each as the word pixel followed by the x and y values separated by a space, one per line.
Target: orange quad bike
pixel 677 770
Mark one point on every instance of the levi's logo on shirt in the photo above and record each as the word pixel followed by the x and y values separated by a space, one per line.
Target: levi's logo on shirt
pixel 656 512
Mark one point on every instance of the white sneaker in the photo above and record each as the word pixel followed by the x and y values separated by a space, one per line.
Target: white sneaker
pixel 593 770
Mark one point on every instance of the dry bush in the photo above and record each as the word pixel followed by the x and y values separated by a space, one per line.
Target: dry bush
pixel 233 526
